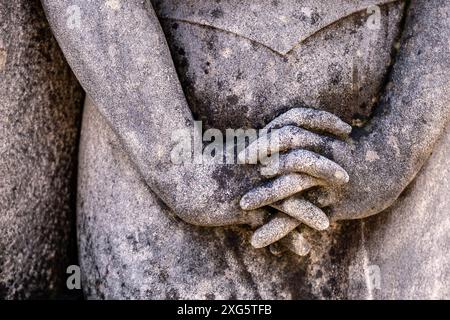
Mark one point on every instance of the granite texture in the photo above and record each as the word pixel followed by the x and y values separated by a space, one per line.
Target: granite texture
pixel 206 63
pixel 408 243
pixel 132 246
pixel 40 109
pixel 330 61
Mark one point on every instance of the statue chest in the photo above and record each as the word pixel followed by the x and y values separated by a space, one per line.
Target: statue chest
pixel 241 63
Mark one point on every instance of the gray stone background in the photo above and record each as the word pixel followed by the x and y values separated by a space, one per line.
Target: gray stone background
pixel 40 108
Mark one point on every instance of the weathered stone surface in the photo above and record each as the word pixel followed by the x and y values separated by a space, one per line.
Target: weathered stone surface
pixel 144 103
pixel 386 154
pixel 408 244
pixel 40 105
pixel 133 247
pixel 232 63
pixel 130 193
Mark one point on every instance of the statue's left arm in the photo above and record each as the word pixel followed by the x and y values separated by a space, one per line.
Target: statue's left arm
pixel 384 156
pixel 415 109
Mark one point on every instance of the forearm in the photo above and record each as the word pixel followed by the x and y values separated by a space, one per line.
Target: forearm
pixel 411 116
pixel 121 58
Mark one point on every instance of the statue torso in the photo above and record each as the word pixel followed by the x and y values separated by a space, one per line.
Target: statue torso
pixel 243 62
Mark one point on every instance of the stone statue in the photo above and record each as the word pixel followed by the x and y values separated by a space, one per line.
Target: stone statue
pixel 306 69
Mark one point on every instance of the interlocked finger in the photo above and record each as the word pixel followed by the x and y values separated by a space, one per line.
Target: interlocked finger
pixel 312 119
pixel 304 212
pixel 278 189
pixel 304 161
pixel 286 138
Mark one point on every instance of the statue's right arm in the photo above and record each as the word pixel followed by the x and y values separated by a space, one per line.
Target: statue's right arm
pixel 119 54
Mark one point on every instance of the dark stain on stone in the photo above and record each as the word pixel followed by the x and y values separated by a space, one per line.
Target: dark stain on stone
pixel 335 73
pixel 319 274
pixel 341 254
pixel 240 75
pixel 315 18
pixel 172 294
pixel 297 285
pixel 163 276
pixel 210 296
pixel 234 242
pixel 233 99
pixel 217 13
